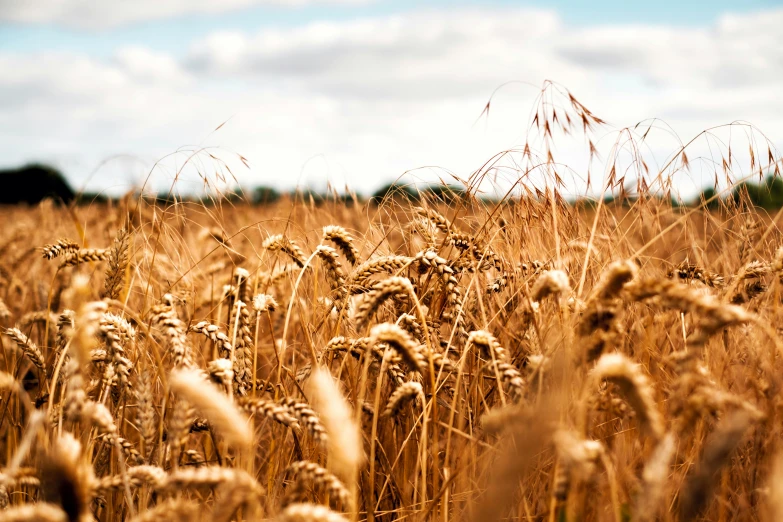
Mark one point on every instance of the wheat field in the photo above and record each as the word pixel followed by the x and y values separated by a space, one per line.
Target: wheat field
pixel 519 360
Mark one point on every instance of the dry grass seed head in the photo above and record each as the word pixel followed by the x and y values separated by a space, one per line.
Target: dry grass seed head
pixel 85 255
pixel 613 279
pixel 136 476
pixel 172 330
pixel 270 409
pixel 207 477
pixel 380 265
pixel 334 271
pixel 307 418
pixel 489 346
pixel 711 315
pixel 212 331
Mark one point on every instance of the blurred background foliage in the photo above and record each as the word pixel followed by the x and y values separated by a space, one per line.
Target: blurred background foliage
pixel 34 182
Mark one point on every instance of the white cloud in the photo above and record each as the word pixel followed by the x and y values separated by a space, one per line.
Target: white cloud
pixel 150 66
pixel 425 54
pixel 379 96
pixel 91 14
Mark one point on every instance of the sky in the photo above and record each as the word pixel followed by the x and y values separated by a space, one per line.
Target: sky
pixel 358 93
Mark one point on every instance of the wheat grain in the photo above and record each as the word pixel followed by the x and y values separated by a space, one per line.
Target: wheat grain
pixel 656 472
pixel 489 346
pixel 334 271
pixel 145 409
pixel 136 477
pixel 102 419
pixel 207 477
pixel 380 265
pixel 264 303
pixel 697 490
pixel 242 356
pixel 578 460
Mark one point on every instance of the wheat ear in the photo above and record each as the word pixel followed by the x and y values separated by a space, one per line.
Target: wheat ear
pixel 402 343
pixel 171 510
pixel 343 240
pixel 379 293
pixel 28 347
pixel 551 282
pixel 37 512
pixel 61 247
pixel 285 245
pixel 302 512
pixel 306 471
pixel 403 394
pixel 346 451
pixel 635 387
pixel 220 411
